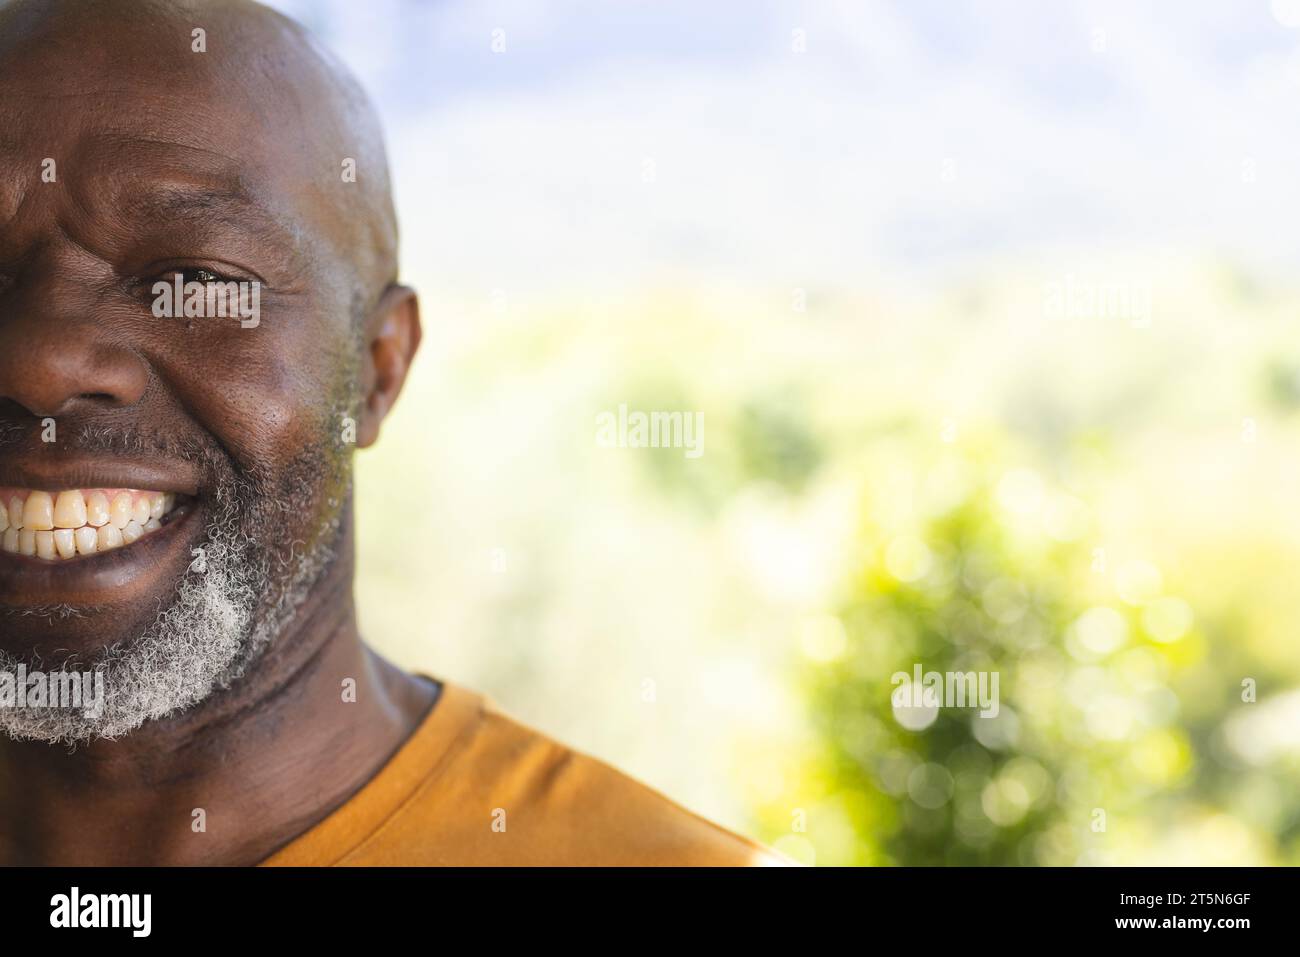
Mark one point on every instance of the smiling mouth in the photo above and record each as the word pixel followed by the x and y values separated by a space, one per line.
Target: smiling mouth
pixel 57 526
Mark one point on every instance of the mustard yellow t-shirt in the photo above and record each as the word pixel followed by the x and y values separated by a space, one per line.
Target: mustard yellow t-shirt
pixel 473 787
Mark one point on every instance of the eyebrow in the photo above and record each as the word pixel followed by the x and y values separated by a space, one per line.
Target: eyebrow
pixel 228 204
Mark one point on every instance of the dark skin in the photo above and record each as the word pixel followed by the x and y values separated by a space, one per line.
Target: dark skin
pixel 171 160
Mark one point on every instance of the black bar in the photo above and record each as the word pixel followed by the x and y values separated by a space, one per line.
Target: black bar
pixel 980 905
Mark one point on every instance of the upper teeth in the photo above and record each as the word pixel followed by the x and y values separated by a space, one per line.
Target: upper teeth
pixel 78 521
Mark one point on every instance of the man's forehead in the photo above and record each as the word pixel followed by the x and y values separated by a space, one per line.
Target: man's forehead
pixel 136 57
pixel 254 94
pixel 201 116
pixel 145 175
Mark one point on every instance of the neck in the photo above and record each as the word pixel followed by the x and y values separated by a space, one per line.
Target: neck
pixel 233 779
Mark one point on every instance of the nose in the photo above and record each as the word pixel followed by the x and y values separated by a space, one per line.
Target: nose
pixel 57 353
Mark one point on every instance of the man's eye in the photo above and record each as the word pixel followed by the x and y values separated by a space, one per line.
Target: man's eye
pixel 203 276
pixel 191 274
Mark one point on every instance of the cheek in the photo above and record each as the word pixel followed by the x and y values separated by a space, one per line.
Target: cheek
pixel 259 409
pixel 268 395
pixel 277 423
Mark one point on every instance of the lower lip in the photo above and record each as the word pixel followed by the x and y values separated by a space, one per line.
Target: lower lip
pixel 105 577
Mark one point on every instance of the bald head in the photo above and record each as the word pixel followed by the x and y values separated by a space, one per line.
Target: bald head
pixel 239 87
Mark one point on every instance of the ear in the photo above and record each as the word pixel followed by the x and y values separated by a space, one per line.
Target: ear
pixel 392 336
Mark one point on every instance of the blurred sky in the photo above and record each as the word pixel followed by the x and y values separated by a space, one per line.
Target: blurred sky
pixel 1143 124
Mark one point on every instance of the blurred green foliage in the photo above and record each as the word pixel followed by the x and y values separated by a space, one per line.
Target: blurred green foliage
pixel 1127 728
pixel 1100 513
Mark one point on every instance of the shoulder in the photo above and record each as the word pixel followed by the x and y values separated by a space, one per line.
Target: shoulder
pixel 506 794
